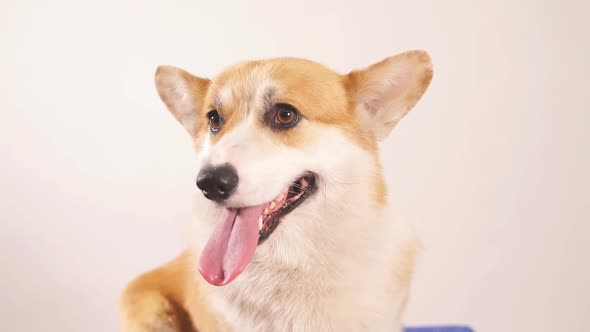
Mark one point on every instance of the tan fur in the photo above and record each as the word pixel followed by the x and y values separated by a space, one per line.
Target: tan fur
pixel 367 89
pixel 363 105
pixel 171 297
pixel 180 91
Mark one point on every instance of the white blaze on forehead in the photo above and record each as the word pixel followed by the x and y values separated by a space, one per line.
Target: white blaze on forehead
pixel 266 89
pixel 246 93
pixel 233 145
pixel 258 83
pixel 224 96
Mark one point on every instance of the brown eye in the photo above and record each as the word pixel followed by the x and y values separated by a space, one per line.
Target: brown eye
pixel 286 116
pixel 214 121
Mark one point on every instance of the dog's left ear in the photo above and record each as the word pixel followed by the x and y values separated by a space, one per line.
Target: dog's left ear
pixel 386 91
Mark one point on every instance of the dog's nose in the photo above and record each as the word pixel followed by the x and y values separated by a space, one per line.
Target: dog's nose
pixel 218 183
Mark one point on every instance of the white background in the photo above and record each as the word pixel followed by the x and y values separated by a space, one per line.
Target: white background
pixel 492 167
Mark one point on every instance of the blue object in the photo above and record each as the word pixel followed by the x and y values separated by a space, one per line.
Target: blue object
pixel 439 329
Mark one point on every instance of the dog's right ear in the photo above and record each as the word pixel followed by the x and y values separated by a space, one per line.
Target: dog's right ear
pixel 183 95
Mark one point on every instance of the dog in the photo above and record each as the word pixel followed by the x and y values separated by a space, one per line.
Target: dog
pixel 295 231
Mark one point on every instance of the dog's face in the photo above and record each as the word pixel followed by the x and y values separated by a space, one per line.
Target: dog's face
pixel 287 146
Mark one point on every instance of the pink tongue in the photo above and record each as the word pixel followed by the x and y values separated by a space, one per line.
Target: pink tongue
pixel 231 246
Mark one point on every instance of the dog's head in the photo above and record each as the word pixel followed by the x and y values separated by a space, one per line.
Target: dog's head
pixel 287 151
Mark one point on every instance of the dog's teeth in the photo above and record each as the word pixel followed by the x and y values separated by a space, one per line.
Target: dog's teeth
pixel 260 224
pixel 272 205
pixel 280 198
pixel 266 210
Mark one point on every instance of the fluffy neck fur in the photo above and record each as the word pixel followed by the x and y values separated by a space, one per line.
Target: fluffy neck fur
pixel 354 277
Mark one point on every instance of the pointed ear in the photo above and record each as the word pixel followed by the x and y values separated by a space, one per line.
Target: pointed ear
pixel 183 95
pixel 386 91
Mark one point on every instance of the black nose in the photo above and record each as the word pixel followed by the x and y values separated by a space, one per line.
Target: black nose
pixel 218 183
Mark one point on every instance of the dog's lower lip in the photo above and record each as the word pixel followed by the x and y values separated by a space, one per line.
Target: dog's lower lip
pixel 299 191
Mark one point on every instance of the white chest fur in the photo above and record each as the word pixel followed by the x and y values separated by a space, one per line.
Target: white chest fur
pixel 297 303
pixel 362 290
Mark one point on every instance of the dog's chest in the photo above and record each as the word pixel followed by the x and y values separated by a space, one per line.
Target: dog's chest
pixel 302 304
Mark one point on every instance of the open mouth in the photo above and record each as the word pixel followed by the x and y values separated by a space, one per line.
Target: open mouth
pixel 239 231
pixel 297 193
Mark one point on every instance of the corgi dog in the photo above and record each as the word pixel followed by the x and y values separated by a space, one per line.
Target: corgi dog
pixel 294 231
